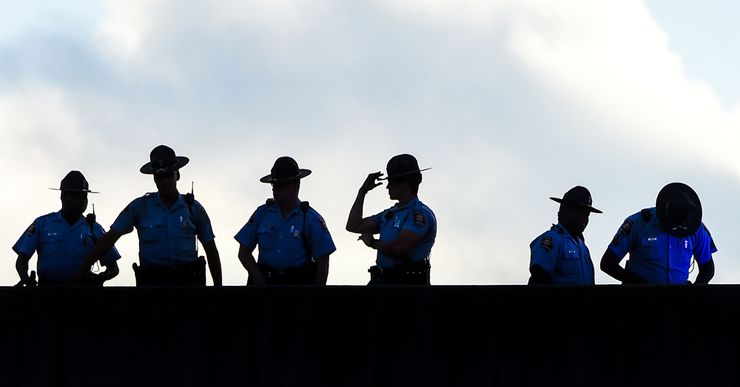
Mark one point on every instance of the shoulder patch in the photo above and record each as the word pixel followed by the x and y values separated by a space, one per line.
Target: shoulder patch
pixel 546 243
pixel 322 222
pixel 31 229
pixel 419 219
pixel 626 227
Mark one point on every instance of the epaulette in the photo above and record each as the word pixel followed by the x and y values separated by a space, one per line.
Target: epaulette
pixel 646 214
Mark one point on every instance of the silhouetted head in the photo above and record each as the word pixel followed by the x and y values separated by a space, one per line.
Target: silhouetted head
pixel 404 176
pixel 74 189
pixel 575 208
pixel 678 209
pixel 165 166
pixel 285 177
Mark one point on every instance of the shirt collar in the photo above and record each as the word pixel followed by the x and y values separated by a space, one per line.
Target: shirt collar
pixel 410 203
pixel 296 210
pixel 59 218
pixel 179 202
pixel 565 231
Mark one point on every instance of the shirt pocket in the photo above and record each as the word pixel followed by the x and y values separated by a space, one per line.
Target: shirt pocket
pixel 571 262
pixel 151 231
pixel 266 237
pixel 654 248
pixel 50 243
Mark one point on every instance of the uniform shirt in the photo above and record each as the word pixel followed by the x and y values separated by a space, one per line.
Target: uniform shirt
pixel 564 256
pixel 657 256
pixel 413 216
pixel 280 240
pixel 166 235
pixel 62 248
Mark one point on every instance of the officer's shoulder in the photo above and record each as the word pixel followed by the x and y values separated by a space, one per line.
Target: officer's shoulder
pixel 554 232
pixel 420 205
pixel 196 203
pixel 146 198
pixel 41 220
pixel 269 203
pixel 642 216
pixel 306 206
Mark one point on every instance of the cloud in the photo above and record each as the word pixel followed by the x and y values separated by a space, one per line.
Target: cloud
pixel 509 102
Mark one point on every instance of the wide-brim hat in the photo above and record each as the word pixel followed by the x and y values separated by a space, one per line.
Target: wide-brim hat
pixel 162 159
pixel 285 170
pixel 402 166
pixel 578 196
pixel 74 181
pixel 678 209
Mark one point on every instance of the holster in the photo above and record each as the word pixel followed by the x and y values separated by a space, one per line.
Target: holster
pixel 185 274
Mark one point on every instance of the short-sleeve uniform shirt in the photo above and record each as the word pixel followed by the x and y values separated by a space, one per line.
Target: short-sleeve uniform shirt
pixel 62 248
pixel 166 235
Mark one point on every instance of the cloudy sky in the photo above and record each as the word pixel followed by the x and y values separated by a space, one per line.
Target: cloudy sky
pixel 509 102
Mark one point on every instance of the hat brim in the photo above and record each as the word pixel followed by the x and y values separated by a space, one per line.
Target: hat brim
pixel 148 169
pixel 271 180
pixel 584 205
pixel 403 174
pixel 678 191
pixel 73 190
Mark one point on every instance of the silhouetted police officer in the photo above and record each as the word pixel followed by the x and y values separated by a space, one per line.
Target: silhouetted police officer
pixel 407 230
pixel 294 242
pixel 560 255
pixel 63 240
pixel 167 223
pixel 662 240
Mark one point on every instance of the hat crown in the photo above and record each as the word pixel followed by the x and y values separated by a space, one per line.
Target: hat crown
pixel 285 168
pixel 74 181
pixel 579 195
pixel 162 157
pixel 678 209
pixel 401 165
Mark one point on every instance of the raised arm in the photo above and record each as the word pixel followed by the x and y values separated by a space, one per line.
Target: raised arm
pixel 355 222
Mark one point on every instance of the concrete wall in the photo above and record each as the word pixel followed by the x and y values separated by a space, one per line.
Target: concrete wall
pixel 357 336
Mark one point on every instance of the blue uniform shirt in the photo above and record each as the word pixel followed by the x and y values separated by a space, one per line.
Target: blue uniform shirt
pixel 413 216
pixel 62 248
pixel 564 256
pixel 280 240
pixel 166 235
pixel 657 256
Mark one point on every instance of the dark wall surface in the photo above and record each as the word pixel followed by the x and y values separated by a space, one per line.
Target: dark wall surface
pixel 358 336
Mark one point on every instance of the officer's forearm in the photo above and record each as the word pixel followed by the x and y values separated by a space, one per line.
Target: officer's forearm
pixel 214 262
pixel 610 265
pixel 354 221
pixel 706 272
pixel 110 272
pixel 539 276
pixel 21 266
pixel 247 260
pixel 100 249
pixel 322 271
